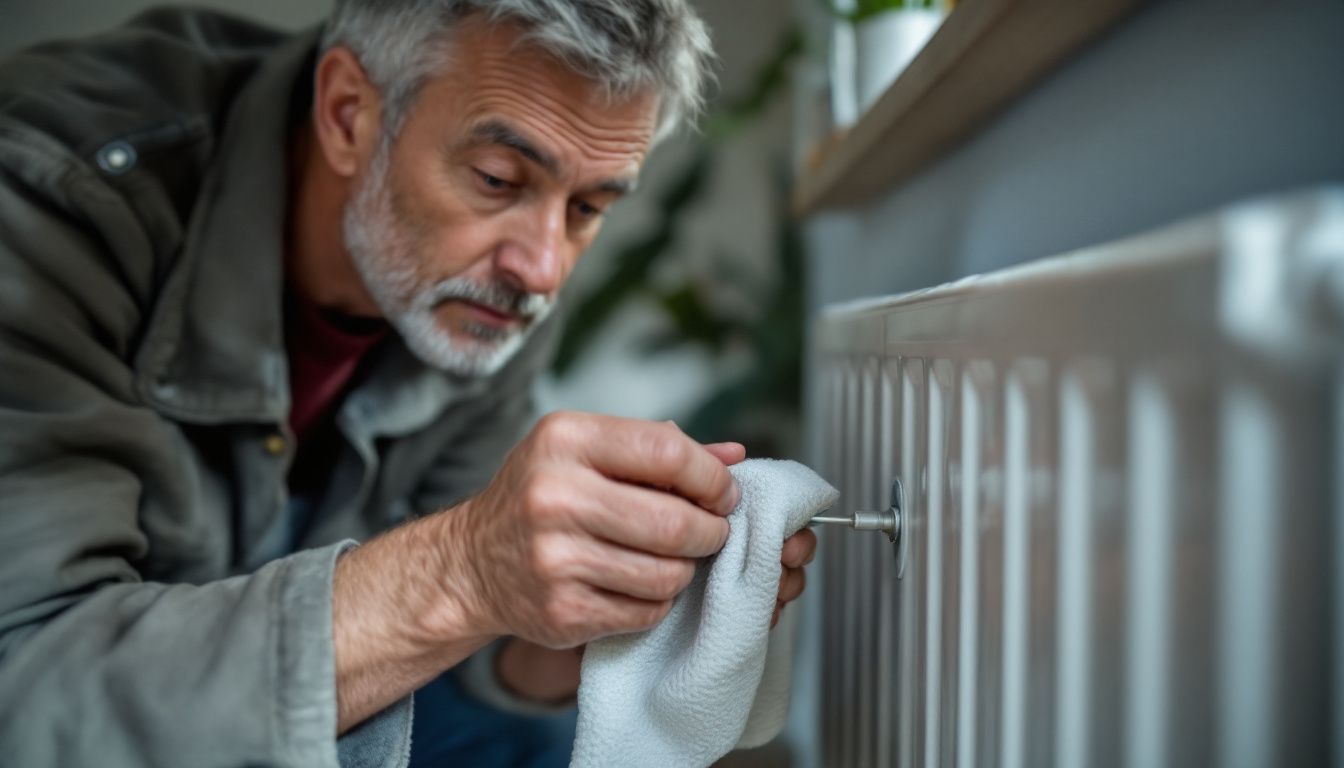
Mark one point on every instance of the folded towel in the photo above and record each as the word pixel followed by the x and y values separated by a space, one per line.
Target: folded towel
pixel 701 682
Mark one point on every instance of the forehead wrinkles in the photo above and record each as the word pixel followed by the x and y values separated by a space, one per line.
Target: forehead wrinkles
pixel 537 91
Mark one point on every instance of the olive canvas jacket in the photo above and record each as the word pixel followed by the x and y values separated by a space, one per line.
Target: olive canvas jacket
pixel 158 606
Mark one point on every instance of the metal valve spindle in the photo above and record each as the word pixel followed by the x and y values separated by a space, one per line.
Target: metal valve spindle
pixel 886 521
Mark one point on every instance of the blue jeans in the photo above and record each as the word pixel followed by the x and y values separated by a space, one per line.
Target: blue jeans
pixel 452 729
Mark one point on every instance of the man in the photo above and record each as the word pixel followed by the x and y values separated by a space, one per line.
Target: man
pixel 263 297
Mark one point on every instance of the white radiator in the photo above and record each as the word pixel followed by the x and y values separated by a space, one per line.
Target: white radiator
pixel 1123 476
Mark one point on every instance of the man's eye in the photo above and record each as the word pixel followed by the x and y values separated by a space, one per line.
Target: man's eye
pixel 587 210
pixel 494 182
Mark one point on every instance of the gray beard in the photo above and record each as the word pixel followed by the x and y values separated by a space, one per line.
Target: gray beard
pixel 385 257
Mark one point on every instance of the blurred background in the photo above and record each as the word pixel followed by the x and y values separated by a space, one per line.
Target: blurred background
pixel 697 301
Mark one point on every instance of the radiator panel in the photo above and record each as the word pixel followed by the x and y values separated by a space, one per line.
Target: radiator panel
pixel 1122 473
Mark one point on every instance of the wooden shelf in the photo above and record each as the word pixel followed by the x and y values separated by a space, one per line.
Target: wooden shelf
pixel 986 53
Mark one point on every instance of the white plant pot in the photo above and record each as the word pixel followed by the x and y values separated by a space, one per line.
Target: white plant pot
pixel 885 44
pixel 844 68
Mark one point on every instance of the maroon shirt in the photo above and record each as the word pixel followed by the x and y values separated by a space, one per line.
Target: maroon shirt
pixel 326 350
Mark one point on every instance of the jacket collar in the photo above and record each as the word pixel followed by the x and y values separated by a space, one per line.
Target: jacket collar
pixel 215 348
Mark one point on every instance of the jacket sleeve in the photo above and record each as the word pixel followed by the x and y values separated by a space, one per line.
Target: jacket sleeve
pixel 99 665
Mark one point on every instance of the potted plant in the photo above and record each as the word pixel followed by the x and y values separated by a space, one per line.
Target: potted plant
pixel 887 35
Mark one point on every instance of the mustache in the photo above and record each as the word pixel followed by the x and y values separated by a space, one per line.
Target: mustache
pixel 495 295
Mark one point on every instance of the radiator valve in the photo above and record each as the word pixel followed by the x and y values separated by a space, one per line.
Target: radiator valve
pixel 888 522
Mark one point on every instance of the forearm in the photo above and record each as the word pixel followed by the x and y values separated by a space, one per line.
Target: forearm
pixel 402 613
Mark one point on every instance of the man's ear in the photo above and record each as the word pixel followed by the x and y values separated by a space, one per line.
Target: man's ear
pixel 347 111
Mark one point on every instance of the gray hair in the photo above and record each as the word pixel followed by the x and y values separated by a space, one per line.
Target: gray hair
pixel 626 46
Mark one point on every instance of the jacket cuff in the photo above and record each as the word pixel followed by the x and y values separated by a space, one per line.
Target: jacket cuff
pixel 306 674
pixel 479 679
pixel 382 741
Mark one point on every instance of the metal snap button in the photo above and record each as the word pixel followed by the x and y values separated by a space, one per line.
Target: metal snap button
pixel 274 444
pixel 165 389
pixel 116 157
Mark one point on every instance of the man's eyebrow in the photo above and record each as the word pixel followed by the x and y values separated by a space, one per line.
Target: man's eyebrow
pixel 496 132
pixel 617 187
pixel 501 134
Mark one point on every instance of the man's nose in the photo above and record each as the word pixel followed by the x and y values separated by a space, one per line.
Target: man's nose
pixel 533 254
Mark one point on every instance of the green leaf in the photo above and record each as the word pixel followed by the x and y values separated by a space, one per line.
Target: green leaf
pixel 693 319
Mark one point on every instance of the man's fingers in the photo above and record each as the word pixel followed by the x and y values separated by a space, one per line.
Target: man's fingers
pixel 728 453
pixel 639 575
pixel 575 613
pixel 646 453
pixel 614 613
pixel 791 584
pixel 799 549
pixel 655 522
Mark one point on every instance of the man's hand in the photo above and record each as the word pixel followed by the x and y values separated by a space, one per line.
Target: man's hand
pixel 552 676
pixel 590 528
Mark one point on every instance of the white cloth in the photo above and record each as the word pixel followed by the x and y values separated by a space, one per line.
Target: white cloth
pixel 689 690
